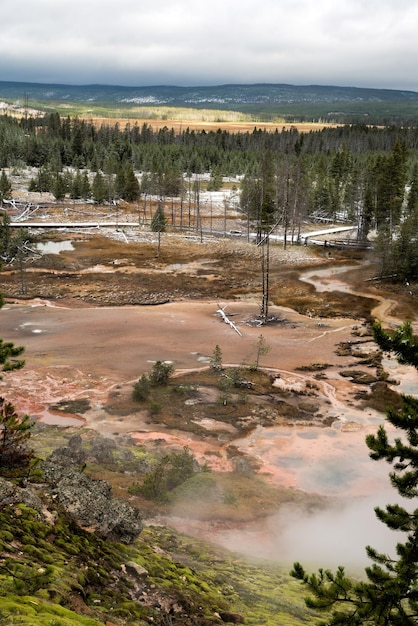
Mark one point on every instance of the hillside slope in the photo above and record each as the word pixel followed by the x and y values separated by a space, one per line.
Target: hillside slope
pixel 263 100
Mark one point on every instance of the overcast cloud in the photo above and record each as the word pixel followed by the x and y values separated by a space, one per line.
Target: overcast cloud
pixel 362 43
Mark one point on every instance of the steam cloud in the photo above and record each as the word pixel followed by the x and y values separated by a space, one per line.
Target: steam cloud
pixel 336 535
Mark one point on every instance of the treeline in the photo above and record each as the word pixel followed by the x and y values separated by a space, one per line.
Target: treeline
pixel 77 143
pixel 366 175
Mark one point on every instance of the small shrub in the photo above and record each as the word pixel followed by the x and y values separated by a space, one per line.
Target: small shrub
pixel 235 375
pixel 200 487
pixel 160 373
pixel 154 407
pixel 223 398
pixel 172 470
pixel 230 498
pixel 141 389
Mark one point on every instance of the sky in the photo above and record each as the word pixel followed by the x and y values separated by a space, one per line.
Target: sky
pixel 359 43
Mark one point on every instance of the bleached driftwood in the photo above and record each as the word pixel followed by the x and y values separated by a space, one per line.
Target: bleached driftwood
pixel 27 211
pixel 228 321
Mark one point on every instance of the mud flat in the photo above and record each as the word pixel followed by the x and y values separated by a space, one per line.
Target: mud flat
pixel 88 353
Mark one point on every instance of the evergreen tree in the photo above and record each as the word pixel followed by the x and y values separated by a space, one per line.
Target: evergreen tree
pixel 85 186
pixel 120 182
pixel 16 458
pixel 110 191
pixel 366 215
pixel 389 596
pixel 5 238
pixel 399 254
pixel 391 184
pixel 405 249
pixel 5 187
pixel 412 203
pixel 262 348
pixel 250 197
pixel 131 188
pixel 173 181
pixel 99 188
pixel 43 180
pixel 9 353
pixel 161 372
pixel 78 134
pixel 159 223
pixel 216 179
pixel 216 359
pixel 76 186
pixel 59 187
pixel 141 389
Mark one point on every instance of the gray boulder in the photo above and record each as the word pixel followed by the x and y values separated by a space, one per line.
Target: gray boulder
pixel 11 495
pixel 89 502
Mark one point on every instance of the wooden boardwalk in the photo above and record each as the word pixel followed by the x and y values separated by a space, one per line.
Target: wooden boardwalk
pixel 73 224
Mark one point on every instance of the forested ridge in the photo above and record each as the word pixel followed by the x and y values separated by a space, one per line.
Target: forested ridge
pixel 263 101
pixel 365 175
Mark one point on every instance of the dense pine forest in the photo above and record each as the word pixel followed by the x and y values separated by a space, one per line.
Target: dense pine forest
pixel 366 175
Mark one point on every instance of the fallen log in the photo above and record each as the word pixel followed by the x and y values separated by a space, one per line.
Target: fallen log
pixel 228 321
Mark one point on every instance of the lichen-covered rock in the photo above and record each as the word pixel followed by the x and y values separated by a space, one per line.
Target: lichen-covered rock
pixel 71 455
pixel 11 494
pixel 89 502
pixel 103 450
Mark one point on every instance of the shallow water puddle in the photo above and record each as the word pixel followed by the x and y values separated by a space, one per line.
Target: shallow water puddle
pixel 58 419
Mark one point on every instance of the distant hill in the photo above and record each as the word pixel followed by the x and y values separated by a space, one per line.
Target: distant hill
pixel 219 95
pixel 264 99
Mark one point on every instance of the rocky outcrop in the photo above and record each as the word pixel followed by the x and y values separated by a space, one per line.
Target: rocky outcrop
pixel 12 495
pixel 87 501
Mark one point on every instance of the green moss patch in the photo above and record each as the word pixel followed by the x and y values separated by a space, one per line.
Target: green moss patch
pixel 31 611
